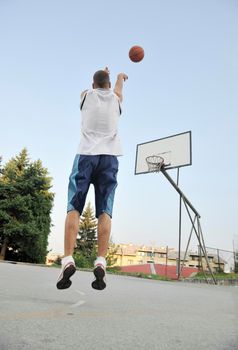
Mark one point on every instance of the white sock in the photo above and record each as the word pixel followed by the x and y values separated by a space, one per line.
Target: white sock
pixel 66 260
pixel 100 260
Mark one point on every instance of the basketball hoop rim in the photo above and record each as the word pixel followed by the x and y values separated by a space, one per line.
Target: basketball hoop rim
pixel 154 162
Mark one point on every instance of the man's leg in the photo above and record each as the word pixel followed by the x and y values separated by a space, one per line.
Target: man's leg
pixel 105 185
pixel 68 265
pixel 104 230
pixel 71 231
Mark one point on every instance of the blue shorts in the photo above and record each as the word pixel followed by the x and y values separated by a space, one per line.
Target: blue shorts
pixel 99 170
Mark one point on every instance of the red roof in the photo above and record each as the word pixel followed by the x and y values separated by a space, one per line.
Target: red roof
pixel 162 270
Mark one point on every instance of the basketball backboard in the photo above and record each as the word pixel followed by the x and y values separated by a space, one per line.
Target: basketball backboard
pixel 176 150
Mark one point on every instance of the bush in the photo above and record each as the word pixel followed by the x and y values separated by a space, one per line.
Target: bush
pixel 83 261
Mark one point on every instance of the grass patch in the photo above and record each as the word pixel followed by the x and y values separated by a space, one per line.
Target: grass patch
pixel 221 275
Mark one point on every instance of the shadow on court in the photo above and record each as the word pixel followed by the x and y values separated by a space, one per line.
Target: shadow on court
pixel 130 314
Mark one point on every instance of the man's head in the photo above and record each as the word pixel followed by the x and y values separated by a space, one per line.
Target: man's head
pixel 101 80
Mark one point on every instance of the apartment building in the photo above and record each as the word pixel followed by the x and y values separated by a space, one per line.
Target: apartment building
pixel 130 254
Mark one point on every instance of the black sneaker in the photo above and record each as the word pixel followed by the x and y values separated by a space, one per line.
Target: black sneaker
pixel 64 278
pixel 99 273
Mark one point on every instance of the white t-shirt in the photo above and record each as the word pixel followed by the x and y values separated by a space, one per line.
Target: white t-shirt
pixel 100 111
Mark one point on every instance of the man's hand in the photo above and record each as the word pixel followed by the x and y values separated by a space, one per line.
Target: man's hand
pixel 122 76
pixel 107 70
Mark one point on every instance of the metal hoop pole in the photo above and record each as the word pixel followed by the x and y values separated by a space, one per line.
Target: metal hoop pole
pixel 189 239
pixel 179 191
pixel 180 228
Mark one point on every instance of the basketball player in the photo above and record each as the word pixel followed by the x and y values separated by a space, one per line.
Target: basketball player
pixel 95 163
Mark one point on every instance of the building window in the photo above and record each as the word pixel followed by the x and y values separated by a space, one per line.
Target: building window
pixel 194 258
pixel 161 255
pixel 141 253
pixel 150 254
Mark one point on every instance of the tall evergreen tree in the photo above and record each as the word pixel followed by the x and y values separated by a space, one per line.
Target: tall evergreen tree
pixel 25 207
pixel 236 262
pixel 85 252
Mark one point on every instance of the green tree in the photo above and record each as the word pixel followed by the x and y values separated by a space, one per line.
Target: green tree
pixel 111 253
pixel 86 249
pixel 25 207
pixel 236 262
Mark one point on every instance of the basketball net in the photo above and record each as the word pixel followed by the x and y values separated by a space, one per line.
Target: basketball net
pixel 154 163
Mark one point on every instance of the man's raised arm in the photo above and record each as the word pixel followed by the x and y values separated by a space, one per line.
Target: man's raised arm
pixel 119 85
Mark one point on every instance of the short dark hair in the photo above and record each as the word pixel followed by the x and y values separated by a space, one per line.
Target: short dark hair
pixel 101 78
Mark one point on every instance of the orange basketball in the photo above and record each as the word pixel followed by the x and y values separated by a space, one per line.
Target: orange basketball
pixel 136 54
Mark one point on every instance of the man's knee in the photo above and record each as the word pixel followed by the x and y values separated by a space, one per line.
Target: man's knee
pixel 72 218
pixel 104 217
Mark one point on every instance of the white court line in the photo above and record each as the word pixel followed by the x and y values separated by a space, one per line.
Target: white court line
pixel 79 292
pixel 79 303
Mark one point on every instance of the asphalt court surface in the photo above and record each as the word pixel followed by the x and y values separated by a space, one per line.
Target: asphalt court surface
pixel 131 313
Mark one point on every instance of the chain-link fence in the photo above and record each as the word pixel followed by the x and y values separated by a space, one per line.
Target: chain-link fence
pixel 221 260
pixel 235 248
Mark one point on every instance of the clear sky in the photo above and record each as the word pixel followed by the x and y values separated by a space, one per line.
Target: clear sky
pixel 188 79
